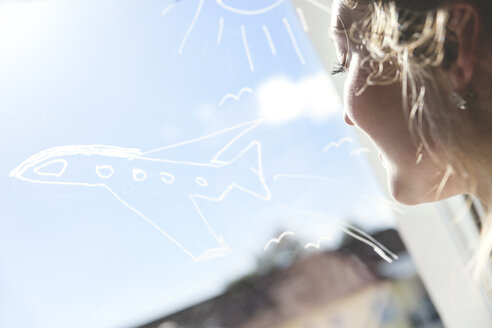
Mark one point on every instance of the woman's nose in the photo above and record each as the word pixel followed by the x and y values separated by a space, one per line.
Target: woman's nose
pixel 347 119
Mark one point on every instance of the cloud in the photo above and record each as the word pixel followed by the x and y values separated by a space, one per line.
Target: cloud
pixel 281 100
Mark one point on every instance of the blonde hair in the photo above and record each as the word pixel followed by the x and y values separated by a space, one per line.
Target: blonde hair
pixel 412 43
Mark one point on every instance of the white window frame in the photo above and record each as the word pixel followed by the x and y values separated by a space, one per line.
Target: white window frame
pixel 440 248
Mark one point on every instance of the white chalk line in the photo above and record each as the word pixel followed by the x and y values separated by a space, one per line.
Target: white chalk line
pixel 190 28
pixel 59 160
pixel 300 13
pixel 152 223
pixel 233 185
pixel 140 214
pixel 168 8
pixel 247 125
pixel 235 96
pixel 337 144
pixel 103 150
pixel 249 12
pixel 319 5
pixel 221 28
pixel 111 151
pixel 258 171
pixel 380 249
pixel 269 39
pixel 317 244
pixel 223 249
pixel 294 41
pixel 278 239
pixel 167 177
pixel 201 181
pixel 382 254
pixel 246 49
pixel 140 175
pixel 359 151
pixel 100 174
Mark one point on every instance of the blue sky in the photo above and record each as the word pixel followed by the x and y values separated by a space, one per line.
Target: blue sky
pixel 111 73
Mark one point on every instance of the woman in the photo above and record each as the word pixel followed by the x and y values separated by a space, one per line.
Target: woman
pixel 419 75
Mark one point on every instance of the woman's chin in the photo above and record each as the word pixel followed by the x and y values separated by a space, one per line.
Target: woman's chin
pixel 410 190
pixel 406 198
pixel 415 189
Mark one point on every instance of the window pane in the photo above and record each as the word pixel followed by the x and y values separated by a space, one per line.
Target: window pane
pixel 161 155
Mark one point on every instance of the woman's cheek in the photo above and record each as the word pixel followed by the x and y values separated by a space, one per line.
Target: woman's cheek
pixel 356 105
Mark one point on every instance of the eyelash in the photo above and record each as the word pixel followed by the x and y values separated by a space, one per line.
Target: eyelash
pixel 338 69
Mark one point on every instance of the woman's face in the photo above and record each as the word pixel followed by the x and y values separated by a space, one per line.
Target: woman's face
pixel 378 112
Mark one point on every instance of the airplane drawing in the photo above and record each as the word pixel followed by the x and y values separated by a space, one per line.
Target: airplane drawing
pixel 156 186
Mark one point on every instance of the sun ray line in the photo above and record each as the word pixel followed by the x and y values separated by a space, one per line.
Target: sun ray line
pixel 269 39
pixel 320 6
pixel 303 19
pixel 294 41
pixel 249 12
pixel 168 8
pixel 192 25
pixel 246 49
pixel 221 28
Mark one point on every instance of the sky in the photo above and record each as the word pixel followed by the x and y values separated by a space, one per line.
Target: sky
pixel 211 121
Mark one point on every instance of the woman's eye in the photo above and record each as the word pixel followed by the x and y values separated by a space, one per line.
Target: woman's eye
pixel 337 69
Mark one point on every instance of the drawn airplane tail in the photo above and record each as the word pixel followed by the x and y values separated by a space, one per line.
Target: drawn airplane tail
pixel 249 177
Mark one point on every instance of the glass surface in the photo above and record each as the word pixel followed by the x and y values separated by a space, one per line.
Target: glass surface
pixel 153 150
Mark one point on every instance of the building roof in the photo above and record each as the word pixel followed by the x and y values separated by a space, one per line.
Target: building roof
pixel 279 295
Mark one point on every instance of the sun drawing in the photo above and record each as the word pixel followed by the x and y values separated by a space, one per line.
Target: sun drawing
pixel 252 8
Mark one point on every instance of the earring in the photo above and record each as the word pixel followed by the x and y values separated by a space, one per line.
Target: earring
pixel 462 103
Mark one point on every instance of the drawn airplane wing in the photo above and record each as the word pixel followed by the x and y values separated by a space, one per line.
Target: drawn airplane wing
pixel 176 217
pixel 204 149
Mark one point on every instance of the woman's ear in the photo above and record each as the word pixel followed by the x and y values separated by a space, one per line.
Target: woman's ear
pixel 464 30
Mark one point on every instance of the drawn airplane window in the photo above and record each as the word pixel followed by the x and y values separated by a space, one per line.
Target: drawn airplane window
pixel 167 157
